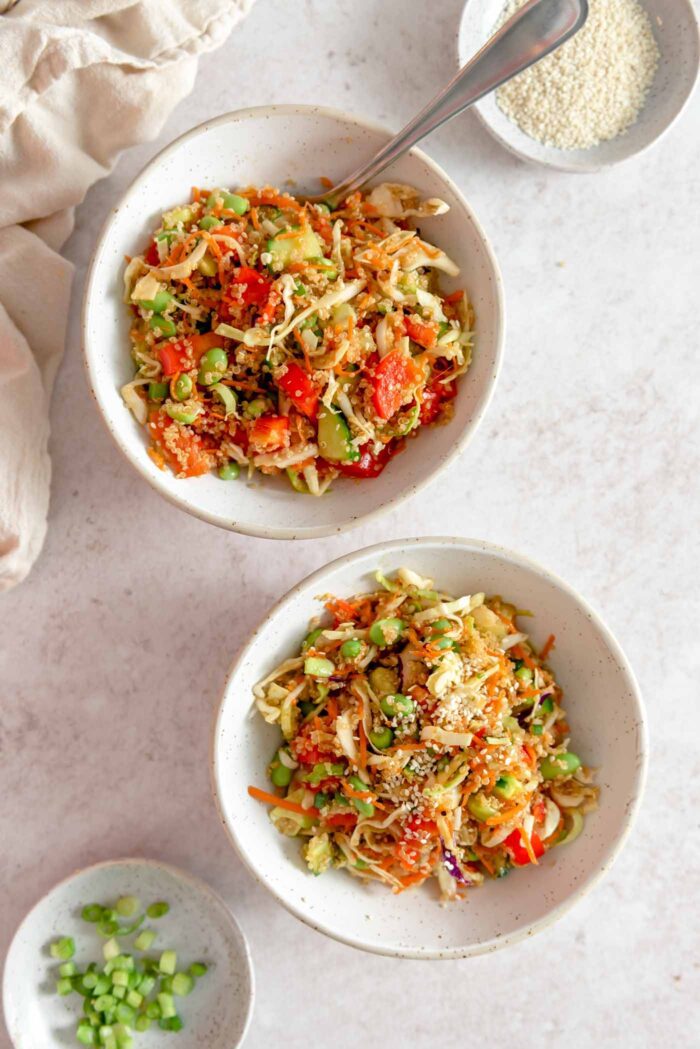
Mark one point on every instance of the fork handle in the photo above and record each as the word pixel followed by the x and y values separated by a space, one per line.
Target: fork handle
pixel 532 32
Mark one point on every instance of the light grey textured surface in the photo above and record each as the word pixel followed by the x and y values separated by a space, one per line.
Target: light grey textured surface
pixel 115 649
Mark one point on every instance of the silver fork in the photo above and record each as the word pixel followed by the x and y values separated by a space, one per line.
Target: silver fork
pixel 530 34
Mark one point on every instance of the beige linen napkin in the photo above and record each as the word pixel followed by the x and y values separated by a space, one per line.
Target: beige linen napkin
pixel 81 81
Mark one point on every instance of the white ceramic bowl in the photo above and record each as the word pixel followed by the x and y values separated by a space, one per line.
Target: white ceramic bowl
pixel 605 711
pixel 199 926
pixel 675 27
pixel 276 144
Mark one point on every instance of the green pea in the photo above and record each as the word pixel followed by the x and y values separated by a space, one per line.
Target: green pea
pixel 160 302
pixel 209 222
pixel 157 391
pixel 365 808
pixel 441 625
pixel 559 765
pixel 280 775
pixel 311 638
pixel 229 471
pixel 524 675
pixel 183 387
pixel 397 705
pixel 164 325
pixel 351 649
pixel 381 738
pixel 208 266
pixel 92 912
pixel 386 631
pixel 184 415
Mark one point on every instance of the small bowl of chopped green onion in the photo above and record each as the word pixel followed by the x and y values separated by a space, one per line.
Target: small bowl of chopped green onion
pixel 607 94
pixel 122 952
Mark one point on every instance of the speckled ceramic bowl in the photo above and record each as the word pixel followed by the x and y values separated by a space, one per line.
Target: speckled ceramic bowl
pixel 675 27
pixel 199 926
pixel 274 145
pixel 605 711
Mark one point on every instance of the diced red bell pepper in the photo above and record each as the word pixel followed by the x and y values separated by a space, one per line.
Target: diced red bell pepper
pixel 393 378
pixel 269 432
pixel 424 334
pixel 369 465
pixel 514 844
pixel 256 288
pixel 151 254
pixel 188 458
pixel 297 385
pixel 343 820
pixel 434 397
pixel 174 356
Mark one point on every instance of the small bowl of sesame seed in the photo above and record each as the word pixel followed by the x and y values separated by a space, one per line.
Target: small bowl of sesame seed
pixel 606 95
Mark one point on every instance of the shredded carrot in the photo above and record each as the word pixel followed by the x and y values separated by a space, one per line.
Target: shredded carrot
pixel 196 195
pixel 548 646
pixel 532 756
pixel 520 653
pixel 454 296
pixel 363 795
pixel 282 803
pixel 332 709
pixel 506 815
pixel 254 218
pixel 326 182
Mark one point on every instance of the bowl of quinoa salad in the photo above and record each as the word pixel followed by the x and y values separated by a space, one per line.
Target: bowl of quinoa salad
pixel 430 748
pixel 283 369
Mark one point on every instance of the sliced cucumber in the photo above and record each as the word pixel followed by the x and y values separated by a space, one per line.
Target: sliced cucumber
pixel 304 245
pixel 334 438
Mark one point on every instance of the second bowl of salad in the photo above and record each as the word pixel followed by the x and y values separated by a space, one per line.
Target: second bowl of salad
pixel 430 748
pixel 284 368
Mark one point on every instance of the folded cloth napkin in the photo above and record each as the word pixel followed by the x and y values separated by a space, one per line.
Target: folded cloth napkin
pixel 81 81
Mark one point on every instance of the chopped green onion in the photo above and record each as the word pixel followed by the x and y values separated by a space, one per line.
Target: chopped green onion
pixel 144 940
pixel 167 1006
pixel 168 962
pixel 182 984
pixel 94 911
pixel 64 986
pixel 111 950
pixel 199 968
pixel 158 910
pixel 63 949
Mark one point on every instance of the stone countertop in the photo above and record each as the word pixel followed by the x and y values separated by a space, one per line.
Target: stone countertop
pixel 115 649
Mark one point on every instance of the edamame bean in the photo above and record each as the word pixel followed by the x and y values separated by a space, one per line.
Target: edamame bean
pixel 160 302
pixel 184 415
pixel 212 366
pixel 351 649
pixel 183 387
pixel 397 705
pixel 310 638
pixel 280 775
pixel 317 667
pixel 164 325
pixel 381 738
pixel 444 643
pixel 440 625
pixel 506 787
pixel 385 632
pixel 208 222
pixel 559 765
pixel 234 202
pixel 229 471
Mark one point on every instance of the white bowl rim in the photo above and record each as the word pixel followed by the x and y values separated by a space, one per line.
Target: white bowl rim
pixel 180 875
pixel 631 812
pixel 593 168
pixel 408 491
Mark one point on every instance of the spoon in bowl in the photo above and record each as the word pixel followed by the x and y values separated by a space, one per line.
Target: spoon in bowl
pixel 530 34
